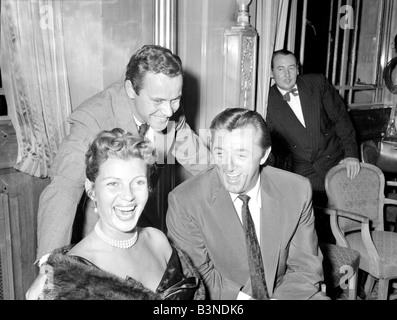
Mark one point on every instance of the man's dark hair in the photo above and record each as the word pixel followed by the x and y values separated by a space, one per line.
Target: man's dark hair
pixel 283 52
pixel 236 118
pixel 153 59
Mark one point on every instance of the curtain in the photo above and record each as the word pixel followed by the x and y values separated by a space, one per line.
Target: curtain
pixel 271 24
pixel 35 80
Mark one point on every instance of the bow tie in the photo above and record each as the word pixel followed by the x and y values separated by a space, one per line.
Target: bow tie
pixel 287 97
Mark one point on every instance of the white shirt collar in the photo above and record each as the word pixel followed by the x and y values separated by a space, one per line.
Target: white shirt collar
pixel 254 193
pixel 149 133
pixel 283 92
pixel 138 123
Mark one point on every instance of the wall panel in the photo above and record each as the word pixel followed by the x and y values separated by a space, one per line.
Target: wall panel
pixel 100 36
pixel 201 25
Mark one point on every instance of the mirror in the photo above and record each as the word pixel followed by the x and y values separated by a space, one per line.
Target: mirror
pixel 390 75
pixel 390 72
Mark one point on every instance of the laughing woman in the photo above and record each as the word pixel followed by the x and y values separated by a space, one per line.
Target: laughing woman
pixel 118 260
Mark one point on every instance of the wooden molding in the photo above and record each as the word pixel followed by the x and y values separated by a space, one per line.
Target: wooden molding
pixel 8 143
pixel 240 51
pixel 6 248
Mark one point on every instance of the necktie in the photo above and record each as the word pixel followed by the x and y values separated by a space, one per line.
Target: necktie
pixel 156 168
pixel 142 129
pixel 287 96
pixel 257 272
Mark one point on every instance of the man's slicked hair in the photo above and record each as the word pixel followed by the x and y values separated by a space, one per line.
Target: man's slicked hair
pixel 283 52
pixel 152 59
pixel 238 118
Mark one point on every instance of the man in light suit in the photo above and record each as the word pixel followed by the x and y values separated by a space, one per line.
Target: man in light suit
pixel 150 93
pixel 312 124
pixel 204 216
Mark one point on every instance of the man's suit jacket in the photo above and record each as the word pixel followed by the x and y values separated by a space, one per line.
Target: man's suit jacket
pixel 329 135
pixel 202 220
pixel 104 111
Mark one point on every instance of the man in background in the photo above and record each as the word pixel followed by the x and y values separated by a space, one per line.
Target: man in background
pixel 309 121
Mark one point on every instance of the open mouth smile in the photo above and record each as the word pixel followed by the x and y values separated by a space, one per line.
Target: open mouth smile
pixel 232 177
pixel 125 213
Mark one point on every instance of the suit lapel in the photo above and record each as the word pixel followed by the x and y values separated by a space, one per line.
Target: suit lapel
pixel 283 112
pixel 123 107
pixel 271 223
pixel 226 216
pixel 311 113
pixel 271 227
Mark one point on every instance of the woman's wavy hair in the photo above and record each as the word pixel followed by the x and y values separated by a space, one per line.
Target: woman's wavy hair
pixel 118 144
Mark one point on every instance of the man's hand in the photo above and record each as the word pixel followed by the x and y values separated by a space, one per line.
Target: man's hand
pixel 352 166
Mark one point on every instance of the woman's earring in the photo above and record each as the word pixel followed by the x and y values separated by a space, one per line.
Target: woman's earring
pixel 95 209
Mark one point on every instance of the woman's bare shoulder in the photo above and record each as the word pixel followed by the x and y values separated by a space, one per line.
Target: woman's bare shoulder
pixel 156 239
pixel 85 248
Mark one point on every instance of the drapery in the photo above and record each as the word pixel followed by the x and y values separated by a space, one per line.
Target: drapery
pixel 271 25
pixel 35 80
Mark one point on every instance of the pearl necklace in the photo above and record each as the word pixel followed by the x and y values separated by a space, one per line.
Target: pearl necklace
pixel 122 244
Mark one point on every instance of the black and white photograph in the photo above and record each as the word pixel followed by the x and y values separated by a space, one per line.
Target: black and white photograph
pixel 214 152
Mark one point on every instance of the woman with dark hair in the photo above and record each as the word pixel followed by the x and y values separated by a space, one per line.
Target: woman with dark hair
pixel 118 260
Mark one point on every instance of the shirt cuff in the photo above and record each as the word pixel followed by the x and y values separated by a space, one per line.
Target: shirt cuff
pixel 43 260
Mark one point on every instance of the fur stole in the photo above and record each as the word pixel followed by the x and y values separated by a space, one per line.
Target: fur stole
pixel 71 279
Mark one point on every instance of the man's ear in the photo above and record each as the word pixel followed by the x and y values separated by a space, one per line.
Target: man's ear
pixel 266 155
pixel 89 189
pixel 129 89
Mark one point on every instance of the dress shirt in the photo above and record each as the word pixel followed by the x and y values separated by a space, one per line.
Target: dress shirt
pixel 149 133
pixel 255 205
pixel 295 105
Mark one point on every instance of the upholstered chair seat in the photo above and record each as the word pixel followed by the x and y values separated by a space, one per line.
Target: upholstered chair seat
pixel 385 243
pixel 337 275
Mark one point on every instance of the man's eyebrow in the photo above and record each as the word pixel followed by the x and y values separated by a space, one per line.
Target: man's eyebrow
pixel 157 98
pixel 162 99
pixel 291 65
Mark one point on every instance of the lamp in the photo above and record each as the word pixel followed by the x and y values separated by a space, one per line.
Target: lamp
pixel 240 53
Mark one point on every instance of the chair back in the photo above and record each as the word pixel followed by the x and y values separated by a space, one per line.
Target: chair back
pixel 369 152
pixel 387 160
pixel 383 154
pixel 363 195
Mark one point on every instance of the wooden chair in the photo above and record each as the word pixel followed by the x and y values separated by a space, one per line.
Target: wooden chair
pixel 356 209
pixel 340 265
pixel 340 262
